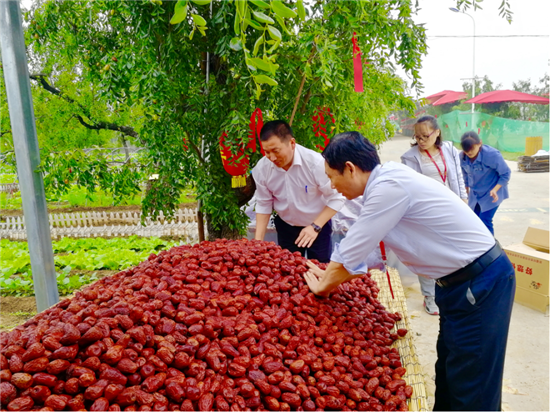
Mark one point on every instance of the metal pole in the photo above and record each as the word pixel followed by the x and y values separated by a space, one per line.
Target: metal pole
pixel 27 155
pixel 473 70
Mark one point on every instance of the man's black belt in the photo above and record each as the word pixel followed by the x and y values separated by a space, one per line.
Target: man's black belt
pixel 472 270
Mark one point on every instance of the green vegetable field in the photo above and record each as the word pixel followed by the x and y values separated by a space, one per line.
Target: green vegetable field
pixel 92 254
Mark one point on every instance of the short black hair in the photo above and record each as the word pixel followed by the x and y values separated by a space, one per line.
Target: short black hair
pixel 351 147
pixel 468 140
pixel 278 128
pixel 434 125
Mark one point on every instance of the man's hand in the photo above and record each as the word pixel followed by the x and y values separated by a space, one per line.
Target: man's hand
pixel 313 277
pixel 307 237
pixel 322 282
pixel 315 270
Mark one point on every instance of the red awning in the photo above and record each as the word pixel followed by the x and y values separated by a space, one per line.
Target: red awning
pixel 446 96
pixel 450 98
pixel 434 97
pixel 500 96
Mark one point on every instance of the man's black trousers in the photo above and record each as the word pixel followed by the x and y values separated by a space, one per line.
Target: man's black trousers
pixel 320 249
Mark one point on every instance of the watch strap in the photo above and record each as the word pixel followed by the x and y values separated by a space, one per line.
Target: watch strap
pixel 317 228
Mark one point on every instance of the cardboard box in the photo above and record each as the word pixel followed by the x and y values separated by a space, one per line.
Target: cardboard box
pixel 532 269
pixel 537 239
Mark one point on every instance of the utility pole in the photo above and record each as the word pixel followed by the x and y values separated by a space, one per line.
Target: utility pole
pixel 27 155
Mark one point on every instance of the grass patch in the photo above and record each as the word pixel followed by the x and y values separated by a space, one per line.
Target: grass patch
pixel 19 313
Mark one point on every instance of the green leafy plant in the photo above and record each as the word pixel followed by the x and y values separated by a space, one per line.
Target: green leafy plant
pixel 79 254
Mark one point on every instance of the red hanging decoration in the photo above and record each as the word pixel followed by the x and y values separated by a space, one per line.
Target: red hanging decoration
pixel 383 251
pixel 185 147
pixel 319 124
pixel 255 129
pixel 231 163
pixel 357 66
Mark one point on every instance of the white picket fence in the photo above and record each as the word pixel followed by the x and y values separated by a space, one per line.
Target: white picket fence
pixel 9 187
pixel 102 224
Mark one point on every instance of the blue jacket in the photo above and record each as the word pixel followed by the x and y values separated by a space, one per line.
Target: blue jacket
pixel 484 173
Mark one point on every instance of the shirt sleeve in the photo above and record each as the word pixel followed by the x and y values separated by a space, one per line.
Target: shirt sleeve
pixel 385 206
pixel 333 199
pixel 264 198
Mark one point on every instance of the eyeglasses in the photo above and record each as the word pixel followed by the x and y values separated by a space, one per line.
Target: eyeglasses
pixel 424 138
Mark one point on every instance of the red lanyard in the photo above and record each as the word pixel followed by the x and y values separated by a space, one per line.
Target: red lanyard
pixel 443 176
pixel 383 252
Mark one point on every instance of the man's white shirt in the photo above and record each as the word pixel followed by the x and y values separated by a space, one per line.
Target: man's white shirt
pixel 298 194
pixel 429 228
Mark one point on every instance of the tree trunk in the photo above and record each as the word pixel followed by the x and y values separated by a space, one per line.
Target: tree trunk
pixel 224 233
pixel 244 194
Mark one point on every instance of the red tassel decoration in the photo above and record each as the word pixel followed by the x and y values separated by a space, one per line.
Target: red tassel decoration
pixel 357 66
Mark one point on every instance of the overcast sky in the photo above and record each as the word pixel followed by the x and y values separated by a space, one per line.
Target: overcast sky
pixel 503 59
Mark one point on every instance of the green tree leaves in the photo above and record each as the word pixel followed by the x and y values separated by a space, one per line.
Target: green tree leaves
pixel 301 9
pixel 158 84
pixel 262 79
pixel 274 33
pixel 281 10
pixel 236 44
pixel 180 12
pixel 262 18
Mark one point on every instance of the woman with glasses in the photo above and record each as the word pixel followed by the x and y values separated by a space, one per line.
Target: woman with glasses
pixel 486 175
pixel 432 157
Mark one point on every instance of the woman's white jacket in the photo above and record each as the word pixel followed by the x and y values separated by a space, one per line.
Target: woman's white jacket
pixel 454 172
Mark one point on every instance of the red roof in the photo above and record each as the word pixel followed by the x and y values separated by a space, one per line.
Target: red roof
pixel 450 97
pixel 499 96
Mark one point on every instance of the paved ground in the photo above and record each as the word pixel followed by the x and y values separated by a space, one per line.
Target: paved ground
pixel 526 374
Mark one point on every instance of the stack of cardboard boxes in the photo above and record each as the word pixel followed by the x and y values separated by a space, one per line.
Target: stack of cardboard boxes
pixel 530 260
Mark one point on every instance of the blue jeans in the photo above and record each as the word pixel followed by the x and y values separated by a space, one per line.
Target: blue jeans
pixel 486 217
pixel 474 318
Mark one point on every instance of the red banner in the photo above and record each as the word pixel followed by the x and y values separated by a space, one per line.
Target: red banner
pixel 357 65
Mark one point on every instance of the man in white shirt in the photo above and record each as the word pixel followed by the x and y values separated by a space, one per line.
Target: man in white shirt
pixel 291 180
pixel 435 234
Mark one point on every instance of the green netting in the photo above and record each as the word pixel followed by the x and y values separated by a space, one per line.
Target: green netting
pixel 504 134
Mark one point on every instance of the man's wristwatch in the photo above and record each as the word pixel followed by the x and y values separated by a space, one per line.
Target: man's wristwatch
pixel 317 228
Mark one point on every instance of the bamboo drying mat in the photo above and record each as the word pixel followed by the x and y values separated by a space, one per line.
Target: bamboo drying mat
pixel 405 345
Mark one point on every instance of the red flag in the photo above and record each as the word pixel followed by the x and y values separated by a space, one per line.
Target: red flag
pixel 357 65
